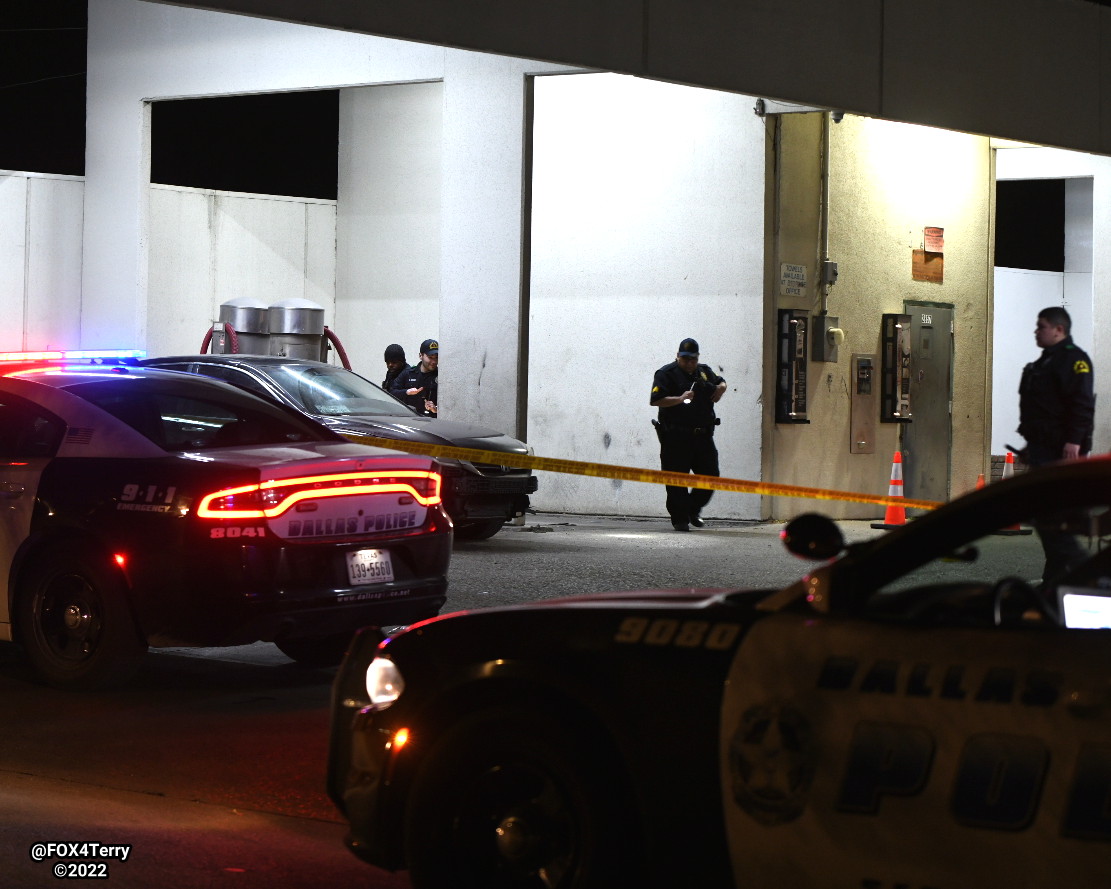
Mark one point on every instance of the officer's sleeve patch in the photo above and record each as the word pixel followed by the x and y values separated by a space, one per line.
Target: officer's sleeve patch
pixel 655 388
pixel 1081 367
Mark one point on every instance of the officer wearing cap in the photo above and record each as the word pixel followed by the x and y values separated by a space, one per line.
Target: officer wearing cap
pixel 685 393
pixel 417 386
pixel 395 364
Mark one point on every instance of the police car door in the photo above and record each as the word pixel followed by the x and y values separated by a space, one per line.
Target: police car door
pixel 875 756
pixel 29 437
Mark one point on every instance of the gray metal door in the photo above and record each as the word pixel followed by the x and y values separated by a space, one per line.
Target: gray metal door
pixel 928 438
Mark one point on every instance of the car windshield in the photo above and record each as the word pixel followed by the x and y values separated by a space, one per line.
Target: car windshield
pixel 335 392
pixel 197 414
pixel 992 540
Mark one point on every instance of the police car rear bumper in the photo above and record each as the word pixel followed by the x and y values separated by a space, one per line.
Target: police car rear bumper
pixel 255 593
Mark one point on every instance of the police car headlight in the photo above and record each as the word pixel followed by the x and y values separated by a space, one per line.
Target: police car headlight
pixel 384 684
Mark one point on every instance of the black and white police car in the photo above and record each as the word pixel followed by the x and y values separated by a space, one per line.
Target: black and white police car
pixel 142 507
pixel 479 496
pixel 912 713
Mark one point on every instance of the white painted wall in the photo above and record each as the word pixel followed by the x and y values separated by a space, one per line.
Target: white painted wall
pixel 40 261
pixel 388 229
pixel 140 52
pixel 207 247
pixel 647 227
pixel 143 51
pixel 1085 284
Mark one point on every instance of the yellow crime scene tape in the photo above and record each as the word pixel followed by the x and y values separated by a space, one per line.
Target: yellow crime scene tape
pixel 628 473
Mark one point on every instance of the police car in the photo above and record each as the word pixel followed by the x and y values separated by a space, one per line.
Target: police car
pixel 141 507
pixel 479 496
pixel 912 713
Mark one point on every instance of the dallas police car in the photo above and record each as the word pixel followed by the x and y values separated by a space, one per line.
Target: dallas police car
pixel 912 713
pixel 144 507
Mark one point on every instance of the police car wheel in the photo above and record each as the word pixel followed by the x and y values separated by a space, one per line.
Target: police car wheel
pixel 315 651
pixel 509 799
pixel 75 623
pixel 479 530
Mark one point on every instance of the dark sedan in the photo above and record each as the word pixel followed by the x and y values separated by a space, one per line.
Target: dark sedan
pixel 480 497
pixel 920 710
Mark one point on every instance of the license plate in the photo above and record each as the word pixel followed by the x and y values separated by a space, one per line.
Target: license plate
pixel 369 566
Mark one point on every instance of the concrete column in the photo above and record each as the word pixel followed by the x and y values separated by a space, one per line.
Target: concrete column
pixel 482 224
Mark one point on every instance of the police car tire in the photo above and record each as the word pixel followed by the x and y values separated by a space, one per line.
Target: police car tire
pixel 315 651
pixel 479 530
pixel 103 647
pixel 524 777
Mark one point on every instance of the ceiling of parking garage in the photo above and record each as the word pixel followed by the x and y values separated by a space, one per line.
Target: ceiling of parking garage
pixel 1042 73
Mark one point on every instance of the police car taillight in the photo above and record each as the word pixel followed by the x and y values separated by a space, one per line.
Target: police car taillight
pixel 21 362
pixel 271 498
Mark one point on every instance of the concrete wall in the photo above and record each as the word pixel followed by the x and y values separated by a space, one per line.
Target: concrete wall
pixel 647 227
pixel 207 247
pixel 387 238
pixel 887 183
pixel 40 262
pixel 432 231
pixel 139 52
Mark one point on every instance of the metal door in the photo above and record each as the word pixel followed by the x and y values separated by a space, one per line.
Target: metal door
pixel 928 439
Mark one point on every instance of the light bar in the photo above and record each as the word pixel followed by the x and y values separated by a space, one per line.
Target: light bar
pixel 270 499
pixel 72 355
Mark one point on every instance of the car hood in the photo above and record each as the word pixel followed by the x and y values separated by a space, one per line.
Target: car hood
pixel 681 596
pixel 429 430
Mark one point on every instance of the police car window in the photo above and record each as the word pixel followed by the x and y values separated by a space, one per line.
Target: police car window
pixel 181 417
pixel 331 391
pixel 234 376
pixel 984 561
pixel 27 431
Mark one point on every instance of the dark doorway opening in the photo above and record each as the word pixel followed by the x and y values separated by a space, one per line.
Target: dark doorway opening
pixel 272 143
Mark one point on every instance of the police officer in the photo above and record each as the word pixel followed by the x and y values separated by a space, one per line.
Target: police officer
pixel 685 393
pixel 395 364
pixel 1056 417
pixel 418 386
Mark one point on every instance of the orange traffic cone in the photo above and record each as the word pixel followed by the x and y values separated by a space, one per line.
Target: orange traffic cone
pixel 896 516
pixel 1009 472
pixel 979 481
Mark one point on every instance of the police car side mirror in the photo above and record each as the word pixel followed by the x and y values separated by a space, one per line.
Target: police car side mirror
pixel 812 536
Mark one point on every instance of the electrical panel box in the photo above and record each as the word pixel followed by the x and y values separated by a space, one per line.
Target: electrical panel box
pixel 827 336
pixel 863 398
pixel 790 394
pixel 895 363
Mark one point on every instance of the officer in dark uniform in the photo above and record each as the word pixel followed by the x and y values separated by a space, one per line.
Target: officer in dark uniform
pixel 1056 417
pixel 685 393
pixel 418 386
pixel 395 364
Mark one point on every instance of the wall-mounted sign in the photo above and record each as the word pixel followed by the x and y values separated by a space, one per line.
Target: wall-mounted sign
pixel 792 279
pixel 927 266
pixel 933 239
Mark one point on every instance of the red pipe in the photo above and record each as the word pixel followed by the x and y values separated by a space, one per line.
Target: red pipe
pixel 334 340
pixel 232 335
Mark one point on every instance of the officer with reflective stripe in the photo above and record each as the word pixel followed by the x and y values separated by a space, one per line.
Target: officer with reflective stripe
pixel 685 393
pixel 1056 417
